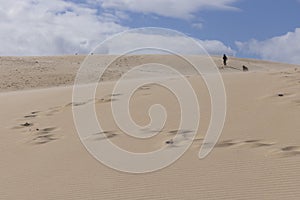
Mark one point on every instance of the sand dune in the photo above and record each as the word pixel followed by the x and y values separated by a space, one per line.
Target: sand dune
pixel 19 73
pixel 257 156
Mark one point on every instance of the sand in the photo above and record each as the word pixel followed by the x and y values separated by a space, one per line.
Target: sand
pixel 256 157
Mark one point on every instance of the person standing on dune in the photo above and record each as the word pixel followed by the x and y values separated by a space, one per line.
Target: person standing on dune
pixel 225 60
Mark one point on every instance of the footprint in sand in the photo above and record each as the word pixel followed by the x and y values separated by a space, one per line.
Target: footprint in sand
pixel 222 144
pixel 174 132
pixel 76 104
pixel 37 135
pixel 114 95
pixel 145 88
pixel 23 125
pixel 30 116
pixel 282 152
pixel 54 110
pixel 107 99
pixel 288 151
pixel 45 135
pixel 104 100
pixel 228 143
pixel 103 135
pixel 239 143
pixel 252 143
pixel 26 124
pixel 171 143
pixel 183 136
pixel 263 144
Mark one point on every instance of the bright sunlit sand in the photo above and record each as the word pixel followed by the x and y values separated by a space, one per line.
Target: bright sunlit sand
pixel 256 157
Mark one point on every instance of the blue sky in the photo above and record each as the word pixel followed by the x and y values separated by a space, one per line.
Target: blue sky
pixel 259 19
pixel 263 29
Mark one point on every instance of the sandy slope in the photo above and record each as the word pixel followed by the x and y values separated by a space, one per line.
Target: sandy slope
pixel 257 156
pixel 19 73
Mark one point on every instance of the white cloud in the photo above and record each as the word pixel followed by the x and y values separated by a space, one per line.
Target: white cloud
pixel 51 27
pixel 197 25
pixel 164 40
pixel 215 47
pixel 168 8
pixel 39 27
pixel 283 48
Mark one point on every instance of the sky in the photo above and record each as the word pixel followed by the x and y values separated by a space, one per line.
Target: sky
pixel 262 29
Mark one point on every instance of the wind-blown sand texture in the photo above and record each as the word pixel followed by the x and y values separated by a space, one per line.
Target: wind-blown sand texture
pixel 41 156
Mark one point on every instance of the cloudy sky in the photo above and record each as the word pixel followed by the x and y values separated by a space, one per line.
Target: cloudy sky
pixel 264 29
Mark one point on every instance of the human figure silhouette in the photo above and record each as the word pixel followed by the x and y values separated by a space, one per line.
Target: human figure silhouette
pixel 245 69
pixel 225 59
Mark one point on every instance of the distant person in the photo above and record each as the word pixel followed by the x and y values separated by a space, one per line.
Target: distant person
pixel 245 69
pixel 225 60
